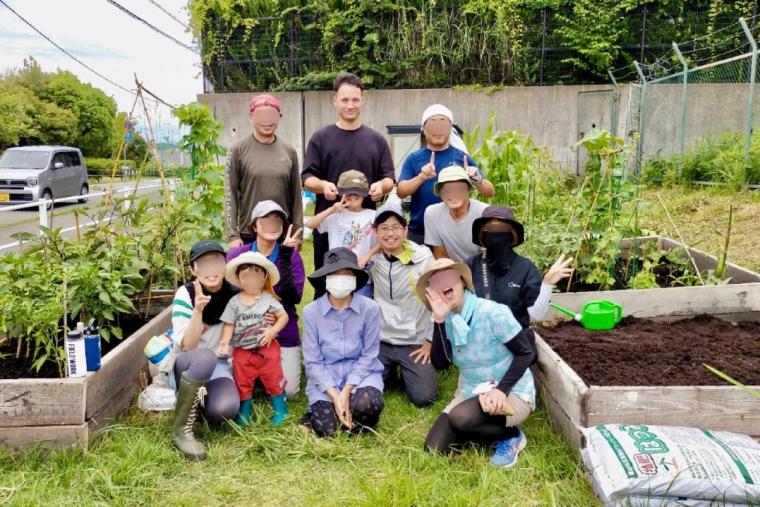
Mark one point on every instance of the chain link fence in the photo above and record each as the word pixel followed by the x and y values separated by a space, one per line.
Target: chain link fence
pixel 692 111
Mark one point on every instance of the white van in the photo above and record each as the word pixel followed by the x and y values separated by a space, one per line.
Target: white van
pixel 32 172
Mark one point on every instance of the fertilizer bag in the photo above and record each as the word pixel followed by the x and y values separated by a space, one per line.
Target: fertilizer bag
pixel 668 464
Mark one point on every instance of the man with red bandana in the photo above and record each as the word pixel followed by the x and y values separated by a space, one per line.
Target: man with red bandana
pixel 261 167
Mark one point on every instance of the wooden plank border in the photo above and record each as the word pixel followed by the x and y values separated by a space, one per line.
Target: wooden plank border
pixel 42 402
pixel 122 366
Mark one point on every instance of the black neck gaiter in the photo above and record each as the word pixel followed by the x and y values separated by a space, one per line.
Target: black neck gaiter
pixel 498 251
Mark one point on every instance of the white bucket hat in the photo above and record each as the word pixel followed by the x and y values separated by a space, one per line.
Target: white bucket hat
pixel 230 271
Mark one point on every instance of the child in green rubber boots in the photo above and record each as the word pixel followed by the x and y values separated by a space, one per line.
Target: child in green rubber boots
pixel 255 351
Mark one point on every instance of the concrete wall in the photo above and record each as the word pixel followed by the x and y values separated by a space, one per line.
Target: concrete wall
pixel 554 116
pixel 549 114
pixel 232 110
pixel 711 110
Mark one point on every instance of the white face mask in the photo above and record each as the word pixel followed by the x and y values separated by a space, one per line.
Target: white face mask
pixel 340 286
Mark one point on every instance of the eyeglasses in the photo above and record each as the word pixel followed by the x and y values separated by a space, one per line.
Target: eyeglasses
pixel 385 229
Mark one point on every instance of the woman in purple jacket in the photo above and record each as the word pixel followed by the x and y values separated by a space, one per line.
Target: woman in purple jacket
pixel 268 222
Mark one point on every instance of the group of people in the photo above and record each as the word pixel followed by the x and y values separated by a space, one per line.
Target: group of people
pixel 395 299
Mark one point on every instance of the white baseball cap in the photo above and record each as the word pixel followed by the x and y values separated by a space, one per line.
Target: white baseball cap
pixel 435 110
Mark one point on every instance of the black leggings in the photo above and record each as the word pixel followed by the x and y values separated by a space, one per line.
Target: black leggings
pixel 366 404
pixel 222 400
pixel 467 423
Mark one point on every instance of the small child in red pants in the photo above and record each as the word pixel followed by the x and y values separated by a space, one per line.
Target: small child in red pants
pixel 256 352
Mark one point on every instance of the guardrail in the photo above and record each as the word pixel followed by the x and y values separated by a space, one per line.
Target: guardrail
pixel 42 206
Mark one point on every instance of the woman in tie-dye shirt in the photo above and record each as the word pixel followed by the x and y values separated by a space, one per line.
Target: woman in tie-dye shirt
pixel 490 348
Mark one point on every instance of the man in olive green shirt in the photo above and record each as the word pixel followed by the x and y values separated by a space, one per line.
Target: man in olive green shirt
pixel 260 167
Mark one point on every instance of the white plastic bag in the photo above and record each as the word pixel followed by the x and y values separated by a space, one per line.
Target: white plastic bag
pixel 157 398
pixel 670 465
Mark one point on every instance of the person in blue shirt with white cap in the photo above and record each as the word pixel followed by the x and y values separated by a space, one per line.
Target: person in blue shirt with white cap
pixel 420 169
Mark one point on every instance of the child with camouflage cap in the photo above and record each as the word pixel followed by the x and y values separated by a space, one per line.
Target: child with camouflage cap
pixel 347 223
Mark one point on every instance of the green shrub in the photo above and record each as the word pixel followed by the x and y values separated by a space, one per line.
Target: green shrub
pixel 712 159
pixel 103 167
pixel 104 270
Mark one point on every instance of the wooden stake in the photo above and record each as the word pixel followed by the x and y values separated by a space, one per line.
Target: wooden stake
pixel 683 243
pixel 76 220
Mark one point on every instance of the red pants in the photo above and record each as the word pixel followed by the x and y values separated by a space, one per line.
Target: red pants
pixel 262 363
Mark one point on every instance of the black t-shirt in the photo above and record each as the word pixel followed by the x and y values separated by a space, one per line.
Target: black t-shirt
pixel 333 150
pixel 518 288
pixel 217 304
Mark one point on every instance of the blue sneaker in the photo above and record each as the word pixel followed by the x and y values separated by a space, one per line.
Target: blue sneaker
pixel 507 450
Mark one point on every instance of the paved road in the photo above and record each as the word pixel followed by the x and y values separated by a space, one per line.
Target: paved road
pixel 27 220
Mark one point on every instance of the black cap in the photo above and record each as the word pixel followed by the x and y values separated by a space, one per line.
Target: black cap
pixel 204 247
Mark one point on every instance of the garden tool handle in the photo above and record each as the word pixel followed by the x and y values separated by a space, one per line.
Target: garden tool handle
pixel 618 313
pixel 562 309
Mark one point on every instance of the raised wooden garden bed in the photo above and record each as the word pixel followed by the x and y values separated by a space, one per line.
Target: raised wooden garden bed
pixel 573 403
pixel 64 412
pixel 704 262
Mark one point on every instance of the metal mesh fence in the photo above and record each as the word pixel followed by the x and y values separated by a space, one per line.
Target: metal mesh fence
pixel 695 107
pixel 286 52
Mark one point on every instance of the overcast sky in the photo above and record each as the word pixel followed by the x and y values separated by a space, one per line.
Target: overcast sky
pixel 112 43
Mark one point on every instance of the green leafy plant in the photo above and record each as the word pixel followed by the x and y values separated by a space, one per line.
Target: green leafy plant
pixel 135 245
pixel 718 159
pixel 526 178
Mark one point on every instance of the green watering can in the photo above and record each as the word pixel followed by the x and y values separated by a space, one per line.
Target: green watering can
pixel 597 315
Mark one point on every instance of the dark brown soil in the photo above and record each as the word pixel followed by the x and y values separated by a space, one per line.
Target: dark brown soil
pixel 642 352
pixel 12 367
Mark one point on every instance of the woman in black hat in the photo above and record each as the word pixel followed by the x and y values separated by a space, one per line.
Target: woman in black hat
pixel 341 345
pixel 500 274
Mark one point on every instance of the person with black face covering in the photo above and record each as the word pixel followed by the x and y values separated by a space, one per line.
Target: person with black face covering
pixel 501 275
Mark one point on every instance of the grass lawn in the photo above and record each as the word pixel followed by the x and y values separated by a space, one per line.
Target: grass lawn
pixel 701 214
pixel 133 463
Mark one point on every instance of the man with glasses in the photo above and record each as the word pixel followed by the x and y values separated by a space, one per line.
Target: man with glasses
pixel 261 167
pixel 405 324
pixel 448 224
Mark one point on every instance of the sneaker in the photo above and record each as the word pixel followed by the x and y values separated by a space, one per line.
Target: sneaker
pixel 507 450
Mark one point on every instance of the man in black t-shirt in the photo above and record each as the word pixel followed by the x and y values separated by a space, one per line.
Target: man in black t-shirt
pixel 345 145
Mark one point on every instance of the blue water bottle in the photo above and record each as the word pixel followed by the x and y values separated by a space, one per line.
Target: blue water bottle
pixel 92 346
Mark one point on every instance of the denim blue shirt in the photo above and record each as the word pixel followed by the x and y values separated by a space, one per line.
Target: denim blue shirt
pixel 341 346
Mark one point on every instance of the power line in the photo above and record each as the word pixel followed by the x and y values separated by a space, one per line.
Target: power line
pixel 169 14
pixel 80 62
pixel 157 30
pixel 157 98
